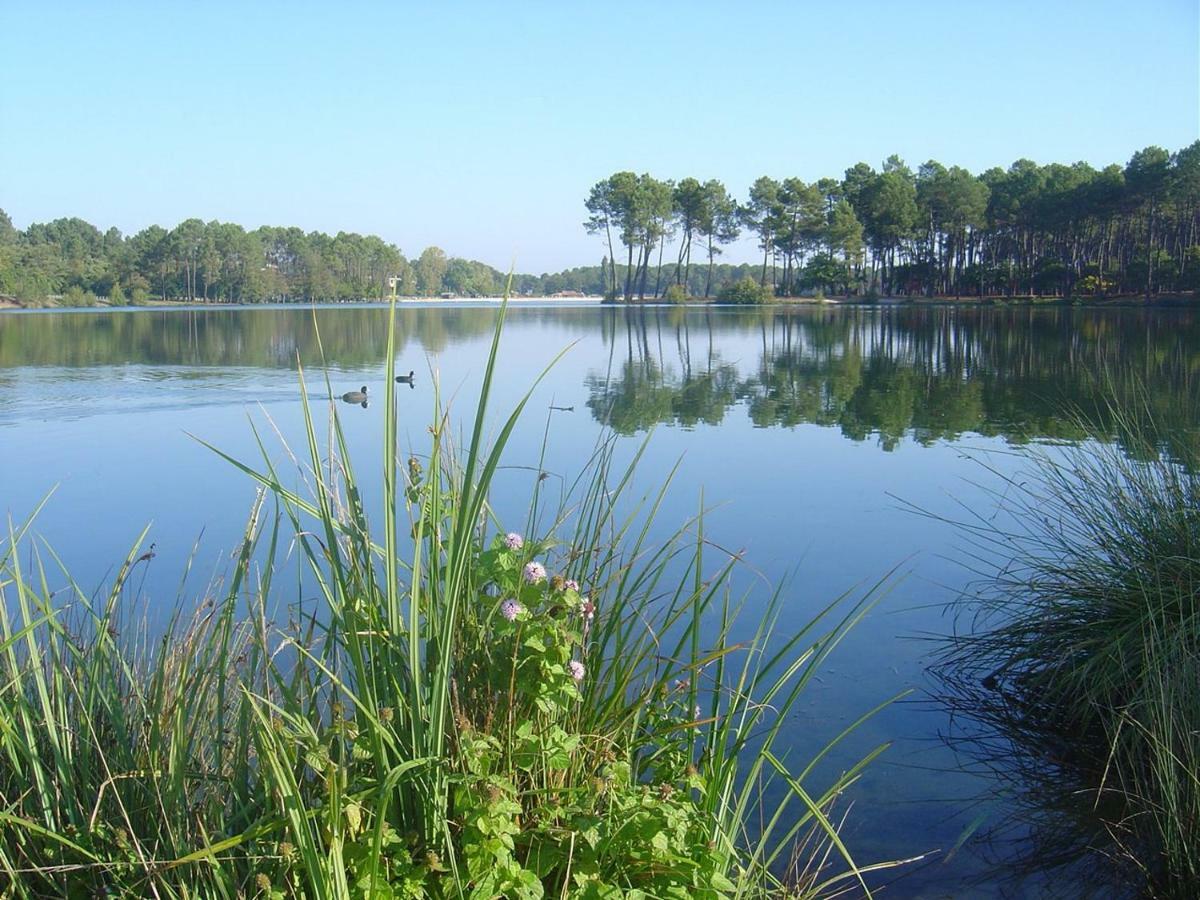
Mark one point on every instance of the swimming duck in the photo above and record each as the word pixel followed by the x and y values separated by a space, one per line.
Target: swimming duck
pixel 359 396
pixel 405 379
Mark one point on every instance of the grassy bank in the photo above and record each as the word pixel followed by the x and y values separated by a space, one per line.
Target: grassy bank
pixel 454 709
pixel 1084 648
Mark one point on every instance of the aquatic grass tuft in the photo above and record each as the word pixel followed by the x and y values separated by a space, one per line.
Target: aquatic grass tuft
pixel 1084 641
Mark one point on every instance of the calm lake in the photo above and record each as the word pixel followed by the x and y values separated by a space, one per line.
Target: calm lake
pixel 810 434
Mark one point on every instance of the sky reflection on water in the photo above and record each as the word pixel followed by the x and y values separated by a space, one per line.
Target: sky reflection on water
pixel 807 432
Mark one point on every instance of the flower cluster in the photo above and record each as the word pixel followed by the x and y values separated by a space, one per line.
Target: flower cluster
pixel 525 586
pixel 534 572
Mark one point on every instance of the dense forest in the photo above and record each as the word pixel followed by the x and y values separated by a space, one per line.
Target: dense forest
pixel 1058 230
pixel 1049 230
pixel 75 263
pixel 70 262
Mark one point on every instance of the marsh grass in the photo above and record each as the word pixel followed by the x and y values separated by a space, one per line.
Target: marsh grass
pixel 402 734
pixel 1083 645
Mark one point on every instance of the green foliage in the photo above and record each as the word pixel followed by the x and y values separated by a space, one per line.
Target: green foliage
pixel 1028 229
pixel 430 269
pixel 116 295
pixel 746 291
pixel 637 210
pixel 78 297
pixel 221 262
pixel 824 272
pixel 675 294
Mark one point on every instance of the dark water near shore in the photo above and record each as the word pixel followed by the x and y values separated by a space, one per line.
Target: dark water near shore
pixel 809 432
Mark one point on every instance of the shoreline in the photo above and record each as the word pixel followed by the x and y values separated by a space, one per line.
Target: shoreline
pixel 1127 301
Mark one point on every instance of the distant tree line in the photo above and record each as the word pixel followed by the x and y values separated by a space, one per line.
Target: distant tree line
pixel 76 263
pixel 1029 229
pixel 596 280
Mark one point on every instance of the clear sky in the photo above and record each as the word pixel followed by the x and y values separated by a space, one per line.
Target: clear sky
pixel 480 128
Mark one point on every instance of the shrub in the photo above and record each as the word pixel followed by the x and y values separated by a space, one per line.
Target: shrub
pixel 78 297
pixel 31 292
pixel 675 294
pixel 746 291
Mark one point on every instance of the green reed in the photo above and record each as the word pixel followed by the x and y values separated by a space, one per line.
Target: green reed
pixel 1086 636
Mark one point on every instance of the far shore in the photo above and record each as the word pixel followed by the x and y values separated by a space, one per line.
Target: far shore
pixel 9 304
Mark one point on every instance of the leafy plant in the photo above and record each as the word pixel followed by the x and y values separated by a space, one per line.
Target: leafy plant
pixel 746 291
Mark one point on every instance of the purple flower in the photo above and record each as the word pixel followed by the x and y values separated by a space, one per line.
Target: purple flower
pixel 534 572
pixel 577 670
pixel 587 609
pixel 510 609
pixel 571 585
pixel 514 541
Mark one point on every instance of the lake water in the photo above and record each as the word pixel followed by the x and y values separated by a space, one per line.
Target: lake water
pixel 810 433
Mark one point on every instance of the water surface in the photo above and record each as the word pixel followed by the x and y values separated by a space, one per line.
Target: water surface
pixel 807 432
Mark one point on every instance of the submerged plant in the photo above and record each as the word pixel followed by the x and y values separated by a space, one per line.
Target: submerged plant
pixel 465 712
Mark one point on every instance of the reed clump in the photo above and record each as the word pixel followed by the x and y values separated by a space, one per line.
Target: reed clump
pixel 1084 646
pixel 461 711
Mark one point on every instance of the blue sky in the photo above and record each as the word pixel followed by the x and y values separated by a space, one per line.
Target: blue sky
pixel 480 128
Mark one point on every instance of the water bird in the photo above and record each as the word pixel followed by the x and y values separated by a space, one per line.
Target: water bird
pixel 562 408
pixel 406 379
pixel 359 396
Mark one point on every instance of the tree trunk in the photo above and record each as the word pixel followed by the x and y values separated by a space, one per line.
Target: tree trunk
pixel 658 275
pixel 708 278
pixel 612 260
pixel 629 275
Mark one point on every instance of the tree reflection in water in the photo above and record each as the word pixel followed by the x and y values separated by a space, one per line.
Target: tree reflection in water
pixel 929 373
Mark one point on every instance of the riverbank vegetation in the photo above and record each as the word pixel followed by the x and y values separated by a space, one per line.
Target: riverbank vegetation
pixel 1082 655
pixel 71 263
pixel 1033 230
pixel 1026 231
pixel 448 709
